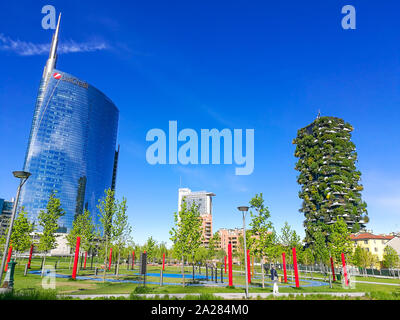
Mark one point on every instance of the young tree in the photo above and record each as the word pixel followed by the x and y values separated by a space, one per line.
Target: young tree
pixel 261 229
pixel 289 239
pixel 187 233
pixel 121 229
pixel 339 239
pixel 213 245
pixel 390 257
pixel 107 207
pixel 321 250
pixel 48 220
pixel 151 248
pixel 21 233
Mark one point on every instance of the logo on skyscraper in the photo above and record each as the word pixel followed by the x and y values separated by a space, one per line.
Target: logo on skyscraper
pixel 57 75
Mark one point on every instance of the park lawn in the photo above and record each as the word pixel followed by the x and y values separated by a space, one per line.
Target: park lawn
pixel 69 286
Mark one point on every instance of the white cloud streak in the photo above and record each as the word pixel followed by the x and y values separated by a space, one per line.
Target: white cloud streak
pixel 24 48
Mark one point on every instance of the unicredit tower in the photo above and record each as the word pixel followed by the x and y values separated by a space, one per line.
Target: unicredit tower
pixel 72 145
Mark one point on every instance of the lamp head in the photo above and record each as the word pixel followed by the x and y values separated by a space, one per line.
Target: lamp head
pixel 21 174
pixel 243 208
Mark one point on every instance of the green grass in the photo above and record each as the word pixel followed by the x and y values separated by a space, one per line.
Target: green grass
pixel 69 286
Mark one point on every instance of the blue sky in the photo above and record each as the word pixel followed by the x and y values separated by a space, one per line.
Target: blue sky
pixel 262 65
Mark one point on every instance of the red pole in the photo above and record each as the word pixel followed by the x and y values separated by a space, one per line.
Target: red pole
pixel 333 269
pixel 225 264
pixel 30 257
pixel 78 243
pixel 296 272
pixel 344 270
pixel 84 264
pixel 163 261
pixel 109 262
pixel 248 266
pixel 284 267
pixel 133 258
pixel 8 257
pixel 230 264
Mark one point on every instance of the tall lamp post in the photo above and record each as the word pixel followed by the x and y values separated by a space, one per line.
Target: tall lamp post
pixel 23 176
pixel 244 210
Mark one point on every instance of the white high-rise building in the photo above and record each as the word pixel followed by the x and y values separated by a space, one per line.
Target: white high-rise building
pixel 204 200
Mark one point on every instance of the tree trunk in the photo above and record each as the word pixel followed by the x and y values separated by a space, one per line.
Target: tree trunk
pixel 262 271
pixel 43 264
pixel 105 262
pixel 119 256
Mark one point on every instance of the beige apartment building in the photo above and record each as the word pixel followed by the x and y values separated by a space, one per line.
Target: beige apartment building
pixel 230 236
pixel 373 243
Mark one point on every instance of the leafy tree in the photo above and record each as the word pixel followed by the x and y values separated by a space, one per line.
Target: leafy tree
pixel 321 250
pixel 151 248
pixel 390 257
pixel 187 233
pixel 362 258
pixel 21 239
pixel 107 207
pixel 213 245
pixel 121 229
pixel 339 239
pixel 48 220
pixel 201 255
pixel 162 249
pixel 82 227
pixel 261 229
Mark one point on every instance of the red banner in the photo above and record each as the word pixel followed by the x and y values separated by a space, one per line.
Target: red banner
pixel 230 264
pixel 333 270
pixel 78 243
pixel 296 271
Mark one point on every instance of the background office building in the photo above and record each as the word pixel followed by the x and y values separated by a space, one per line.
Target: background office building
pixel 203 200
pixel 5 214
pixel 72 145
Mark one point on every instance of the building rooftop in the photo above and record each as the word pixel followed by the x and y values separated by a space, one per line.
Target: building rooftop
pixel 367 235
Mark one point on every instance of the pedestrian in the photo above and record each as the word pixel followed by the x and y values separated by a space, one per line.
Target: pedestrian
pixel 274 279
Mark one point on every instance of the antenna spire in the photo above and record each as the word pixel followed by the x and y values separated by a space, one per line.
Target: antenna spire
pixel 52 60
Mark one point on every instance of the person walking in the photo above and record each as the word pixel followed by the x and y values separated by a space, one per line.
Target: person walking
pixel 274 279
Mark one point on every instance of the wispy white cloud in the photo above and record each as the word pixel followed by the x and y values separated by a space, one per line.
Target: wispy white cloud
pixel 25 48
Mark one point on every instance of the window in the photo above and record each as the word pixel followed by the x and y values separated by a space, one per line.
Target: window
pixel 366 241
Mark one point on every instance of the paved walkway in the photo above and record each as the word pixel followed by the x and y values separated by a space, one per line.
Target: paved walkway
pixel 227 296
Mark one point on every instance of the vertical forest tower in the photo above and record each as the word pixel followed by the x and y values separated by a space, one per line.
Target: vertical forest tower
pixel 328 176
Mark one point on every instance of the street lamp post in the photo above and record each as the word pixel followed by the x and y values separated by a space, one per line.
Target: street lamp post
pixel 244 210
pixel 23 176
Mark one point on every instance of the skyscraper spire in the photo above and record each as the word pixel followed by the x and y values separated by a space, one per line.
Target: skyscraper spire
pixel 52 60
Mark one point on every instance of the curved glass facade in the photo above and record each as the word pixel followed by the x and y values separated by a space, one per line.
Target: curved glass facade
pixel 71 147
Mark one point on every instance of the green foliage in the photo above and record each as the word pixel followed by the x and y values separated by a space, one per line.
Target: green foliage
pixel 390 258
pixel 328 176
pixel 339 239
pixel 201 255
pixel 187 233
pixel 319 248
pixel 82 227
pixel 48 220
pixel 107 207
pixel 21 233
pixel 121 229
pixel 151 248
pixel 261 228
pixel 363 258
pixel 213 245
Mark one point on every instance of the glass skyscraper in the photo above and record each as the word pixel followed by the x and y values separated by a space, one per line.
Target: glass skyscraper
pixel 72 145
